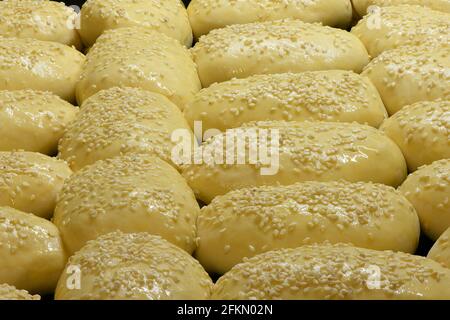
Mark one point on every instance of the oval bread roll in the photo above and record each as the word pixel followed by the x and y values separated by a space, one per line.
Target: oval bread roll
pixel 41 20
pixel 119 121
pixel 440 252
pixel 39 65
pixel 334 272
pixel 320 151
pixel 133 193
pixel 168 17
pixel 428 189
pixel 206 15
pixel 332 95
pixel 239 51
pixel 30 181
pixel 249 221
pixel 8 292
pixel 411 74
pixel 135 266
pixel 392 27
pixel 33 120
pixel 31 255
pixel 422 132
pixel 361 6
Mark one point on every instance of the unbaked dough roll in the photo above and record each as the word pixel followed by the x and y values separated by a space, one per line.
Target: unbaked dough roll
pixel 138 57
pixel 411 74
pixel 428 189
pixel 422 132
pixel 361 6
pixel 392 27
pixel 119 121
pixel 38 19
pixel 319 151
pixel 32 254
pixel 332 95
pixel 334 272
pixel 134 266
pixel 249 221
pixel 39 65
pixel 242 50
pixel 8 292
pixel 168 17
pixel 206 15
pixel 133 193
pixel 33 120
pixel 440 251
pixel 30 181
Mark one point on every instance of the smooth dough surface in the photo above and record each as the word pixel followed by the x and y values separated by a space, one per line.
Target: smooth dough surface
pixel 32 254
pixel 168 17
pixel 440 251
pixel 8 292
pixel 332 95
pixel 132 193
pixel 30 181
pixel 138 57
pixel 422 132
pixel 135 266
pixel 206 15
pixel 428 189
pixel 338 272
pixel 33 120
pixel 317 151
pixel 249 221
pixel 242 50
pixel 411 74
pixel 361 6
pixel 120 121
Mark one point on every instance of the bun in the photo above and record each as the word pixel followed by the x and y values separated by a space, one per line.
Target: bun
pixel 8 292
pixel 440 252
pixel 361 6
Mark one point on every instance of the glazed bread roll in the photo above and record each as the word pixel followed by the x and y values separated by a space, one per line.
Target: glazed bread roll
pixel 41 20
pixel 168 17
pixel 318 151
pixel 249 221
pixel 361 6
pixel 33 120
pixel 39 65
pixel 119 121
pixel 8 292
pixel 440 252
pixel 334 272
pixel 133 193
pixel 411 74
pixel 239 51
pixel 157 63
pixel 428 189
pixel 396 26
pixel 206 15
pixel 31 255
pixel 30 181
pixel 333 95
pixel 134 266
pixel 422 132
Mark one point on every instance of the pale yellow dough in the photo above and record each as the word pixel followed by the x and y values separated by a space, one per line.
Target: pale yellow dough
pixel 249 221
pixel 206 15
pixel 319 151
pixel 428 189
pixel 30 181
pixel 440 251
pixel 134 266
pixel 38 19
pixel 335 272
pixel 32 256
pixel 392 27
pixel 165 16
pixel 138 57
pixel 333 95
pixel 242 50
pixel 8 292
pixel 132 193
pixel 411 74
pixel 33 120
pixel 361 6
pixel 39 65
pixel 119 121
pixel 422 132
